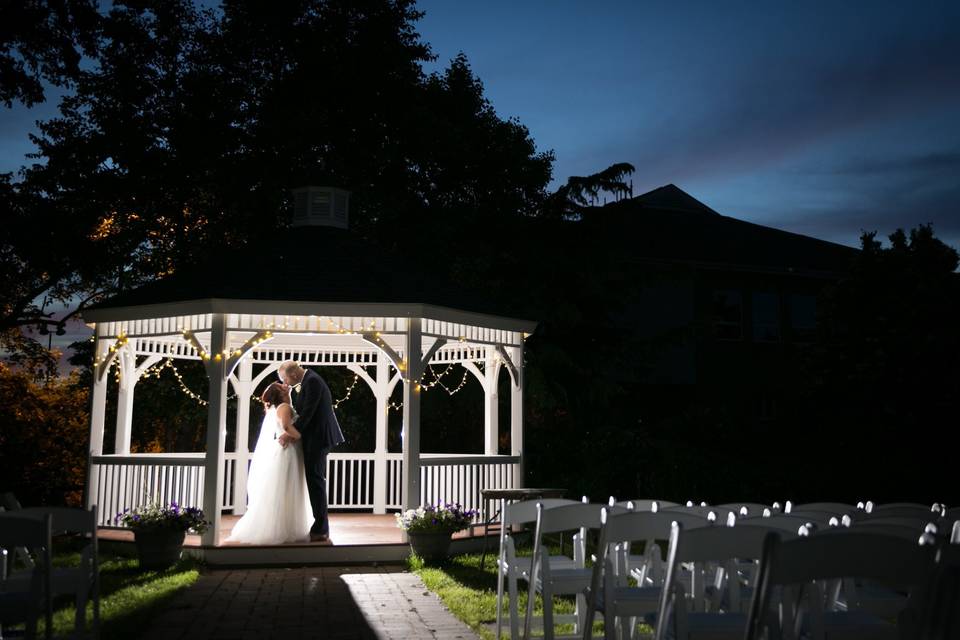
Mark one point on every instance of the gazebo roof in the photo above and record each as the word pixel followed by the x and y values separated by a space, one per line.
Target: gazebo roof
pixel 316 265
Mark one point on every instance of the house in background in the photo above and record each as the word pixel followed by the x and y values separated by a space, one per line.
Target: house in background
pixel 727 304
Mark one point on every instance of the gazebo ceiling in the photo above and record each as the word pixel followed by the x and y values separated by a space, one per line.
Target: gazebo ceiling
pixel 301 270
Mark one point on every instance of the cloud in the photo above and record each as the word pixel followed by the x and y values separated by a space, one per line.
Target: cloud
pixel 931 162
pixel 882 210
pixel 780 107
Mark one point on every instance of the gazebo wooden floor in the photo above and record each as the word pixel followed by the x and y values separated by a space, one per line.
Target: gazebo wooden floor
pixel 354 538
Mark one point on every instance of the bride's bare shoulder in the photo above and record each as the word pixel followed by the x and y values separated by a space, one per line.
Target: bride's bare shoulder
pixel 284 409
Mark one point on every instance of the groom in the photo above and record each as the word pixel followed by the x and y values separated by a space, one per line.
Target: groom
pixel 320 432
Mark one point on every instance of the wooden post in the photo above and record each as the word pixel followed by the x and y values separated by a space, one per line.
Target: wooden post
pixel 516 415
pixel 381 394
pixel 491 408
pixel 244 375
pixel 127 361
pixel 98 408
pixel 216 429
pixel 412 346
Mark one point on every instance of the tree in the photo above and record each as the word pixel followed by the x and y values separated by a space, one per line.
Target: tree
pixel 581 192
pixel 43 438
pixel 42 41
pixel 884 377
pixel 188 128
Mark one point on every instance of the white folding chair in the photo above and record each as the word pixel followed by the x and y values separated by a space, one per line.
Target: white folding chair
pixel 698 613
pixel 27 600
pixel 9 502
pixel 550 581
pixel 610 592
pixel 512 568
pixel 800 568
pixel 649 568
pixel 936 616
pixel 83 581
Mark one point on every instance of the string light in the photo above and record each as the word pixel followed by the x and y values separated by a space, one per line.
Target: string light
pixel 250 342
pixel 157 369
pixel 437 380
pixel 121 341
pixel 356 377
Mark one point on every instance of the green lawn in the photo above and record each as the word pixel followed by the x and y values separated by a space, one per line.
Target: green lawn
pixel 129 598
pixel 471 592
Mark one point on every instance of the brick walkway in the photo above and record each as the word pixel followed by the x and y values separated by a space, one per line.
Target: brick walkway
pixel 308 602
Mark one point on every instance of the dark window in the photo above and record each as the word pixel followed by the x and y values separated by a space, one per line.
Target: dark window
pixel 803 317
pixel 728 314
pixel 766 316
pixel 766 409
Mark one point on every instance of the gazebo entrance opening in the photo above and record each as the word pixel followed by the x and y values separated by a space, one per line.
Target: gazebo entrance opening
pixel 384 344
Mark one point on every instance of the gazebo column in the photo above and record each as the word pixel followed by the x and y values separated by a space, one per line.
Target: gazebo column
pixel 216 429
pixel 412 369
pixel 381 394
pixel 127 361
pixel 98 414
pixel 516 414
pixel 491 408
pixel 243 389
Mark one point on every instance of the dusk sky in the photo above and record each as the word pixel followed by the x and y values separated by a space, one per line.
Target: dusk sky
pixel 819 118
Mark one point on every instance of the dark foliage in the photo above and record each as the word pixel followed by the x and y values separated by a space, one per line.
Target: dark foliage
pixel 188 127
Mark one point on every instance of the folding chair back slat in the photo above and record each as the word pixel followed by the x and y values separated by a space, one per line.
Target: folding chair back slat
pixel 646 504
pixel 721 513
pixel 850 554
pixel 752 508
pixel 65 519
pixel 633 526
pixel 912 534
pixel 569 517
pixel 833 508
pixel 787 524
pixel 819 518
pixel 526 512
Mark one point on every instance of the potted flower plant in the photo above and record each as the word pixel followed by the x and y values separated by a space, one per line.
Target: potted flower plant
pixel 159 531
pixel 430 527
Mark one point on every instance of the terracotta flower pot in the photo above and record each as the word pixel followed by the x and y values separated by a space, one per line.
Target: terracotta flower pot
pixel 159 548
pixel 430 545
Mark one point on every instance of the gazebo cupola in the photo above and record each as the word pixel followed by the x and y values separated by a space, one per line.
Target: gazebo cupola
pixel 321 206
pixel 317 293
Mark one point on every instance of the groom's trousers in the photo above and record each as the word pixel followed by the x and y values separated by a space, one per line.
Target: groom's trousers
pixel 315 467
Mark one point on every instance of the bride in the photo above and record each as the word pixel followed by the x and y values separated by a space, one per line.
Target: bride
pixel 278 507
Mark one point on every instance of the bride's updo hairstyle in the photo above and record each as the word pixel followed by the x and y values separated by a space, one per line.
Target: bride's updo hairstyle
pixel 273 395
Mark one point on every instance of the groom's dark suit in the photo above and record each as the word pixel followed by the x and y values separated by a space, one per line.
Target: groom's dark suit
pixel 320 432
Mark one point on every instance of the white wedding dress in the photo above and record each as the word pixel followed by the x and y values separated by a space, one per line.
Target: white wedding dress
pixel 278 506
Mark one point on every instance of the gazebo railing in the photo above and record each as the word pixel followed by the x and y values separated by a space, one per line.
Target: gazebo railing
pixel 460 478
pixel 120 482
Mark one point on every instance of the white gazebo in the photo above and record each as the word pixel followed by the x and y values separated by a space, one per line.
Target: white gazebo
pixel 317 294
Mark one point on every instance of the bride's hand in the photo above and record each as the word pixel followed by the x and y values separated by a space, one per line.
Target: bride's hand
pixel 283 440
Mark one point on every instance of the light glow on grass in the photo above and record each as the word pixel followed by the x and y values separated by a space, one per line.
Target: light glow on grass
pixel 471 593
pixel 130 599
